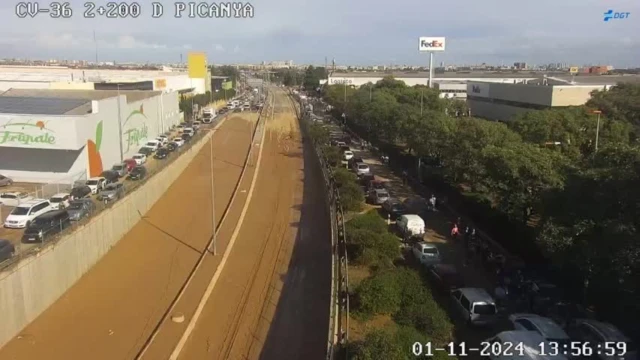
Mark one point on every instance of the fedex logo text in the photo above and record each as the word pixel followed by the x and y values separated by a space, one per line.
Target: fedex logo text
pixel 432 44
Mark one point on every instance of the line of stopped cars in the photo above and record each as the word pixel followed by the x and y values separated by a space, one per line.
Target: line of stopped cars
pixel 42 218
pixel 546 325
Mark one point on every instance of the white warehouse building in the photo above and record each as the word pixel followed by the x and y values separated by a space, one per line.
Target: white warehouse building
pixel 64 78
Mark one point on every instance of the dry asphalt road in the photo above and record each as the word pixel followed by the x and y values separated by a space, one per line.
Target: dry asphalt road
pixel 271 298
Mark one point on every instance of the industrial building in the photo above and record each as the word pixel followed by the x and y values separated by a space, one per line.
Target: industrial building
pixel 496 101
pixel 64 135
pixel 451 85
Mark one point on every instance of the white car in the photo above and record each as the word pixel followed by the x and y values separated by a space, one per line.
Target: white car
pixel 163 139
pixel 154 145
pixel 347 155
pixel 178 141
pixel 362 169
pixel 139 158
pixel 22 214
pixel 426 253
pixel 60 201
pixel 96 184
pixel 14 198
pixel 546 327
pixel 189 131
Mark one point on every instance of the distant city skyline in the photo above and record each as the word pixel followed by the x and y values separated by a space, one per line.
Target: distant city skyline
pixel 353 32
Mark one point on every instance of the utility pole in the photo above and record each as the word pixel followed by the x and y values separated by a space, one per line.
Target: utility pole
pixel 214 244
pixel 120 125
pixel 597 128
pixel 421 100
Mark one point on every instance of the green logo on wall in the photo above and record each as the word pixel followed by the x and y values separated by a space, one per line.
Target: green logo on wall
pixel 27 133
pixel 134 135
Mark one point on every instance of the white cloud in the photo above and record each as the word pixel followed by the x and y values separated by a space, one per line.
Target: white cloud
pixel 219 48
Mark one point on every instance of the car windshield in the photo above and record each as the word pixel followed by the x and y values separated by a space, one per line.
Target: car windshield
pixel 111 187
pixel 484 309
pixel 92 182
pixel 362 166
pixel 56 199
pixel 75 206
pixel 118 167
pixel 433 251
pixel 20 211
pixel 137 156
pixel 41 221
pixel 152 144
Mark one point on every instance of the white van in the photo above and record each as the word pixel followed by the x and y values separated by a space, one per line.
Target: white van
pixel 475 305
pixel 410 225
pixel 25 212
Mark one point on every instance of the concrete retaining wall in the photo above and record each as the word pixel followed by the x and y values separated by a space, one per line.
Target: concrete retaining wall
pixel 37 282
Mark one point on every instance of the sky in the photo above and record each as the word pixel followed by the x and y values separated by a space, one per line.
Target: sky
pixel 353 32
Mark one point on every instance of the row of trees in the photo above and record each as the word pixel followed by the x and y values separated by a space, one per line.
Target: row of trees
pixel 309 79
pixel 537 183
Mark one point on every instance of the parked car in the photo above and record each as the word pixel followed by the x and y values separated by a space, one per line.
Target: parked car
pixel 14 198
pixel 355 161
pixel 171 147
pixel 60 201
pixel 186 137
pixel 110 176
pixel 147 151
pixel 80 209
pixel 7 250
pixel 46 225
pixel 23 214
pixel 600 333
pixel 377 196
pixel 154 145
pixel 446 276
pixel 140 159
pixel 410 226
pixel 546 327
pixel 138 172
pixel 80 192
pixel 428 254
pixel 365 180
pixel 362 169
pixel 475 305
pixel 377 185
pixel 189 130
pixel 5 181
pixel 178 141
pixel 161 154
pixel 347 155
pixel 394 208
pixel 163 139
pixel 112 192
pixel 131 163
pixel 96 184
pixel 120 169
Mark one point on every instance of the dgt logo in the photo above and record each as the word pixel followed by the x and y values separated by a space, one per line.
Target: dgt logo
pixel 615 15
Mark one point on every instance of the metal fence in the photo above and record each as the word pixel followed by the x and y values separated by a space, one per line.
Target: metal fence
pixel 338 336
pixel 22 249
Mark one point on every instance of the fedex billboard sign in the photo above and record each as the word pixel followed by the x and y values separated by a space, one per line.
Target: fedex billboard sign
pixel 432 44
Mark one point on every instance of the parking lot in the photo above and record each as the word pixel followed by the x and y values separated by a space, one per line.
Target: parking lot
pixel 45 191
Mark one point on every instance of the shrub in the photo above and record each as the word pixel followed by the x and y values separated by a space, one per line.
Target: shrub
pixel 379 294
pixel 343 176
pixel 377 345
pixel 332 154
pixel 351 196
pixel 369 221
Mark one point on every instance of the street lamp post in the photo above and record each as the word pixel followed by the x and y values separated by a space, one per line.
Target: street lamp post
pixel 597 128
pixel 120 125
pixel 214 244
pixel 421 100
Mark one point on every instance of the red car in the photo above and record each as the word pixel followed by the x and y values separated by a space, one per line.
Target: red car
pixel 130 164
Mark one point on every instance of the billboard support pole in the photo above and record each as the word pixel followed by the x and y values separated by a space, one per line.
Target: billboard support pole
pixel 120 125
pixel 430 69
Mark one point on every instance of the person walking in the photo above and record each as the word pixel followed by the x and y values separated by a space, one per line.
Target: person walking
pixel 432 202
pixel 455 232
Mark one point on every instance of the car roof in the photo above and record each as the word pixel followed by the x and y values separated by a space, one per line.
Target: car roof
pixel 15 193
pixel 51 214
pixel 138 154
pixel 381 191
pixel 427 245
pixel 60 195
pixel 30 203
pixel 476 294
pixel 412 217
pixel 548 327
pixel 530 340
pixel 610 332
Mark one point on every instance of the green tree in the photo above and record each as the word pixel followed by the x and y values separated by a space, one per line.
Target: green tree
pixel 620 102
pixel 380 294
pixel 378 344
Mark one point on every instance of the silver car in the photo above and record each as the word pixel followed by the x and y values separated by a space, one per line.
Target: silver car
pixel 80 209
pixel 5 181
pixel 120 169
pixel 112 192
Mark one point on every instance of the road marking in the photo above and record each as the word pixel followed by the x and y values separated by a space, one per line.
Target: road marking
pixel 205 298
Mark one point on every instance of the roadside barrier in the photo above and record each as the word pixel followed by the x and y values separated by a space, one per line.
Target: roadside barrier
pixel 338 335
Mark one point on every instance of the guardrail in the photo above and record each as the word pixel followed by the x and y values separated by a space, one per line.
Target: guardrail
pixel 338 335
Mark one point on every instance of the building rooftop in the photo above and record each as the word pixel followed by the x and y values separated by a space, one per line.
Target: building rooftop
pixel 452 75
pixel 61 102
pixel 61 74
